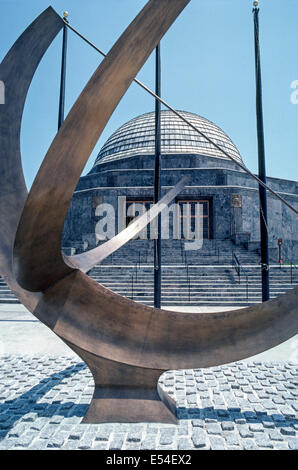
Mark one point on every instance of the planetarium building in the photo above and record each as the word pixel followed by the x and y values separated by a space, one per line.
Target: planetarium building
pixel 123 177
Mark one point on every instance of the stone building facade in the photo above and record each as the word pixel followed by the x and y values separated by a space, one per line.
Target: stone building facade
pixel 123 177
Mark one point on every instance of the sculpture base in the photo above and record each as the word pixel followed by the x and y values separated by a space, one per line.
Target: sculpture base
pixel 129 405
pixel 125 393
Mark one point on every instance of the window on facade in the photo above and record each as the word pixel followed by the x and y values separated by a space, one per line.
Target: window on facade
pixel 135 209
pixel 186 217
pixel 188 210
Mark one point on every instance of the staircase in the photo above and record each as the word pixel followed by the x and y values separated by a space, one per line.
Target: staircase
pixel 6 296
pixel 213 252
pixel 204 277
pixel 195 286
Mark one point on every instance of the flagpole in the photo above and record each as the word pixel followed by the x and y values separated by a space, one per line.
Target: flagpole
pixel 261 161
pixel 63 72
pixel 157 182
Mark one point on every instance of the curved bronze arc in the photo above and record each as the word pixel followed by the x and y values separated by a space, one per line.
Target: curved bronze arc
pixel 38 262
pixel 107 325
pixel 125 344
pixel 16 71
pixel 147 330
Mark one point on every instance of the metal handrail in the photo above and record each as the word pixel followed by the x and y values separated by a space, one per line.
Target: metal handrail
pixel 186 267
pixel 292 265
pixel 236 265
pixel 136 270
pixel 240 270
pixel 296 267
pixel 132 287
pixel 188 281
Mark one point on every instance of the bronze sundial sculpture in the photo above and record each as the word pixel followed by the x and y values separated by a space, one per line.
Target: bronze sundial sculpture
pixel 126 345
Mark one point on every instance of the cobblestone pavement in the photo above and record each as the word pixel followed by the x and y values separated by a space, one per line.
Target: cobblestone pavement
pixel 238 406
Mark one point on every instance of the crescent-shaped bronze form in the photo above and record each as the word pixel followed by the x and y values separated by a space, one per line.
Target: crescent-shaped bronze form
pixel 126 345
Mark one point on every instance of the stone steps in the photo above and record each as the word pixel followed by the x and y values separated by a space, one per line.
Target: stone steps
pixel 210 285
pixel 204 285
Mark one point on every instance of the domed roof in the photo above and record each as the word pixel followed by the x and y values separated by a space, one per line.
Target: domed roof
pixel 137 137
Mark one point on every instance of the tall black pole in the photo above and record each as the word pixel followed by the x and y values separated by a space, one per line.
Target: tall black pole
pixel 157 183
pixel 262 166
pixel 63 74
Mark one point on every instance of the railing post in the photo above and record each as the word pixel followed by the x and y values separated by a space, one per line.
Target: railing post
pixel 132 287
pixel 188 281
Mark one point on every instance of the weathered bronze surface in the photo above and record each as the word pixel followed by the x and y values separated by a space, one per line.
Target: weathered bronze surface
pixel 40 230
pixel 126 345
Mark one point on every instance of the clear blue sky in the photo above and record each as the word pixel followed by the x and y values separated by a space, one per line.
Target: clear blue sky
pixel 208 68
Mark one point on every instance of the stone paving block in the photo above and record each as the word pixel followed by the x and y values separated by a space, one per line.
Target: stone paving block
pixel 192 399
pixel 281 445
pixel 49 416
pixel 56 419
pixel 274 435
pixel 199 438
pixel 149 443
pixel 71 445
pixel 152 430
pixel 232 438
pixel 26 439
pixel 288 431
pixel 134 437
pixel 259 409
pixel 76 435
pixel 213 428
pixel 7 443
pixel 287 411
pixel 268 422
pixel 197 423
pixel 244 431
pixel 29 417
pixel 227 426
pixel 167 436
pixel 256 427
pixel 102 436
pixel 183 429
pixel 263 441
pixel 239 420
pixel 222 413
pixel 293 443
pixel 86 441
pixel 117 442
pixel 277 417
pixel 38 444
pixel 56 442
pixel 217 443
pixel 185 444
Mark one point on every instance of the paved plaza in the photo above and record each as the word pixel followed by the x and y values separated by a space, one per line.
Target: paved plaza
pixel 45 390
